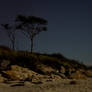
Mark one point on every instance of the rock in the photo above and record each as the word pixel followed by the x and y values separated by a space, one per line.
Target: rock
pixel 20 73
pixel 62 70
pixel 88 73
pixel 45 69
pixel 55 77
pixel 13 75
pixel 77 75
pixel 62 76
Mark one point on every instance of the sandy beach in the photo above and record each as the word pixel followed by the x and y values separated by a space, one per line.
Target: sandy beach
pixel 59 86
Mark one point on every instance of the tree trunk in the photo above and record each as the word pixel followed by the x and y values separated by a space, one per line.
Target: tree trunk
pixel 32 43
pixel 13 44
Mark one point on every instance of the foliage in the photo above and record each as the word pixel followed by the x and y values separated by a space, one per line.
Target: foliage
pixel 10 30
pixel 31 26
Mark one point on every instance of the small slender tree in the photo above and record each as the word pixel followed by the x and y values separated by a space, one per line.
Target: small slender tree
pixel 10 30
pixel 31 26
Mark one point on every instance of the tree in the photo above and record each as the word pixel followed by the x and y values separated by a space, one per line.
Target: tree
pixel 10 30
pixel 31 26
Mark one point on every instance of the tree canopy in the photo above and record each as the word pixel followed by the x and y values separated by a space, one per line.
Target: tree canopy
pixel 31 26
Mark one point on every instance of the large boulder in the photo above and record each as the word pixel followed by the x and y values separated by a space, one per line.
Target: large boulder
pixel 62 70
pixel 44 69
pixel 78 75
pixel 88 73
pixel 20 73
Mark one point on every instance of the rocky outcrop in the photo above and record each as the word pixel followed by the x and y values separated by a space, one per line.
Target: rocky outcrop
pixel 18 73
pixel 21 74
pixel 62 69
pixel 78 75
pixel 44 69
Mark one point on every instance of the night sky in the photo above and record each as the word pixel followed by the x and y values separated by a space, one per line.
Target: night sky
pixel 69 26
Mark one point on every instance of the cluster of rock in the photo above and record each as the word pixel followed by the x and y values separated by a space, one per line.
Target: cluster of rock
pixel 19 73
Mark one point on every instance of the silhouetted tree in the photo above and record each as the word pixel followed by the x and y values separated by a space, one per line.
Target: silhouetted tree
pixel 31 26
pixel 10 30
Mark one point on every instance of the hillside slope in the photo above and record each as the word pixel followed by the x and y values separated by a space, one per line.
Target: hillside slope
pixel 22 65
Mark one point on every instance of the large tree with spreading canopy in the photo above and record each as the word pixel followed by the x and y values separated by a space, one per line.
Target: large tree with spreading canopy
pixel 31 26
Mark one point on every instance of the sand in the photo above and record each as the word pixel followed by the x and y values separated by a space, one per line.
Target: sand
pixel 57 86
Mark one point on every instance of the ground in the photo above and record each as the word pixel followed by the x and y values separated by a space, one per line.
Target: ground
pixel 64 85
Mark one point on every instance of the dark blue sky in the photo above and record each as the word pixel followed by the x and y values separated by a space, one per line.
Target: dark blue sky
pixel 69 26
